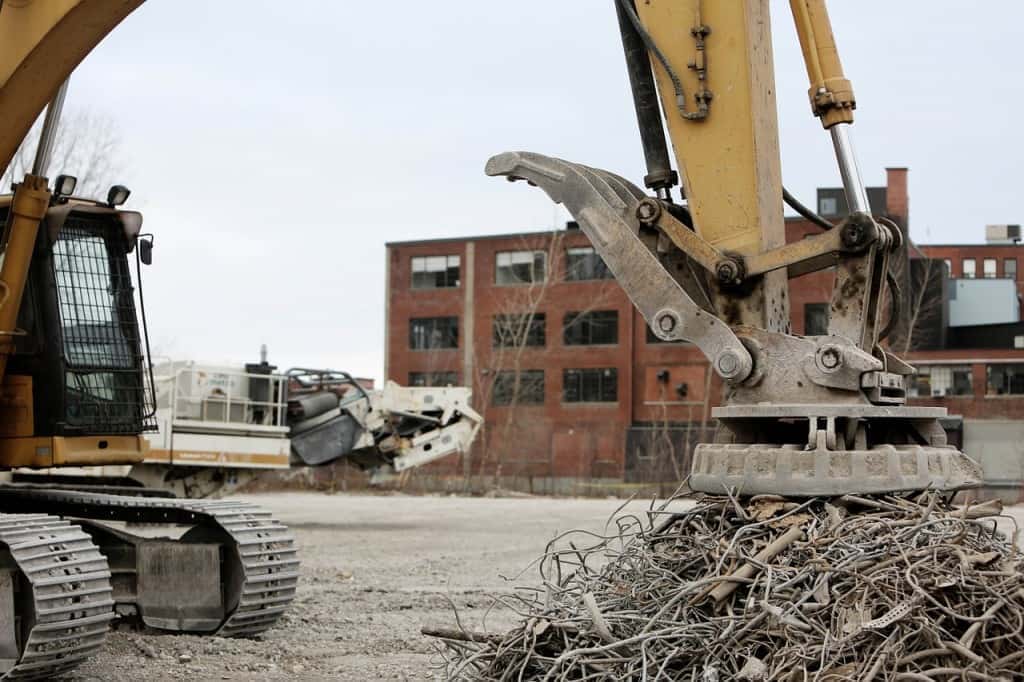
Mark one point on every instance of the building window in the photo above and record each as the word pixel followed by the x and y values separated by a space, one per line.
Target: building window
pixel 585 263
pixel 435 272
pixel 827 206
pixel 427 333
pixel 528 391
pixel 815 319
pixel 597 327
pixel 937 381
pixel 988 268
pixel 590 385
pixel 969 267
pixel 1005 379
pixel 516 331
pixel 520 267
pixel 949 267
pixel 1010 268
pixel 422 379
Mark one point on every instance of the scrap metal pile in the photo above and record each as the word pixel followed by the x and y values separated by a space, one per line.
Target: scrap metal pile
pixel 850 588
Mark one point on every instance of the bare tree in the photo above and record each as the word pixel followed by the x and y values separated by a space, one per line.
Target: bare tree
pixel 514 329
pixel 86 146
pixel 921 303
pixel 662 451
pixel 503 378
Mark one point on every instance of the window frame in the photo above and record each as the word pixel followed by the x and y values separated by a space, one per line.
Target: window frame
pixel 823 209
pixel 538 256
pixel 973 269
pixel 532 335
pixel 1008 379
pixel 531 378
pixel 574 387
pixel 1006 271
pixel 926 371
pixel 985 272
pixel 582 323
pixel 817 307
pixel 595 270
pixel 435 324
pixel 445 272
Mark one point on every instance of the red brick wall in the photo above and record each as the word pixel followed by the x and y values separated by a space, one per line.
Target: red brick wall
pixel 405 303
pixel 588 440
pixel 581 440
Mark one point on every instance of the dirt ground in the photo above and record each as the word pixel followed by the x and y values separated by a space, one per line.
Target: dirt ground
pixel 374 570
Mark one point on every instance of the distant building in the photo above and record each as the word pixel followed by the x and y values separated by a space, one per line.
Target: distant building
pixel 578 395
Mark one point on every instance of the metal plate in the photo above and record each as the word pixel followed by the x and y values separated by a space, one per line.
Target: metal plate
pixel 180 585
pixel 760 469
pixel 826 410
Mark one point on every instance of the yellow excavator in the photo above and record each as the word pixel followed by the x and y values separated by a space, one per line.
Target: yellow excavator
pixel 819 415
pixel 77 390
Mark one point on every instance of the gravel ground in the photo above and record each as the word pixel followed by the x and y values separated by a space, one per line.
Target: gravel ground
pixel 374 570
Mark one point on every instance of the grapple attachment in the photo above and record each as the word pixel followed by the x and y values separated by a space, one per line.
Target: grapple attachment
pixel 385 431
pixel 803 416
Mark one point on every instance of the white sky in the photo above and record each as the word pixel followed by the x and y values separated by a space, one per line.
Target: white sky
pixel 377 118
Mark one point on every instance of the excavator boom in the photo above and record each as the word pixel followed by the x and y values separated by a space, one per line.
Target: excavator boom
pixel 41 43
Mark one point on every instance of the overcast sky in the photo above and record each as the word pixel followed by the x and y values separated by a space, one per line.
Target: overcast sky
pixel 274 147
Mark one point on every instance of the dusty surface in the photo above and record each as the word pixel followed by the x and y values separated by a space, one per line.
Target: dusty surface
pixel 374 570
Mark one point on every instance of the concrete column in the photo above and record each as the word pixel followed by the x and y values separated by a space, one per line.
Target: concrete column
pixel 387 311
pixel 468 297
pixel 468 317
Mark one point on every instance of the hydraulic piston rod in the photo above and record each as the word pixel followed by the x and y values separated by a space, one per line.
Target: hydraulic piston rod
pixel 853 185
pixel 48 136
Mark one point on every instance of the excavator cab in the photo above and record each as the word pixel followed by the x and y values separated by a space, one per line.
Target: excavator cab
pixel 79 336
pixel 78 391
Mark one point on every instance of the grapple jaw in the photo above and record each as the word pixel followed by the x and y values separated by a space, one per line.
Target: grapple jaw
pixel 606 208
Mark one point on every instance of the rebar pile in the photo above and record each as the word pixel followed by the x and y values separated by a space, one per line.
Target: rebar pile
pixel 881 588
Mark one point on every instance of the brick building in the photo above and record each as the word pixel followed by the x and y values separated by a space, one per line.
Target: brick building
pixel 578 395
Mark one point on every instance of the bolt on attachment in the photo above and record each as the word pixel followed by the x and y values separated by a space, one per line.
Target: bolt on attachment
pixel 648 211
pixel 728 364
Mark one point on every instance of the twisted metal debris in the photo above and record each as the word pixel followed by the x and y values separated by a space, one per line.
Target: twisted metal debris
pixel 881 588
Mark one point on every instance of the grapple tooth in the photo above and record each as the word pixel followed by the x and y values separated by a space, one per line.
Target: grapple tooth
pixel 629 192
pixel 576 186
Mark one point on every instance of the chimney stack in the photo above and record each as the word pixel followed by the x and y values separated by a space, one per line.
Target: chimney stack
pixel 897 202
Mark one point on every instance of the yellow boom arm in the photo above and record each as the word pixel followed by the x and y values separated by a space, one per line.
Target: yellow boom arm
pixel 41 42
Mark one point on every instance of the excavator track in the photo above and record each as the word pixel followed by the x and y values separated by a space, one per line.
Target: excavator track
pixel 261 566
pixel 70 600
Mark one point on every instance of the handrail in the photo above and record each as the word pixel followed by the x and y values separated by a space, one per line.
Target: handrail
pixel 345 378
pixel 277 405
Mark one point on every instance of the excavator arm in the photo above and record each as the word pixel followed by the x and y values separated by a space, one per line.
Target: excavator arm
pixel 814 415
pixel 41 43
